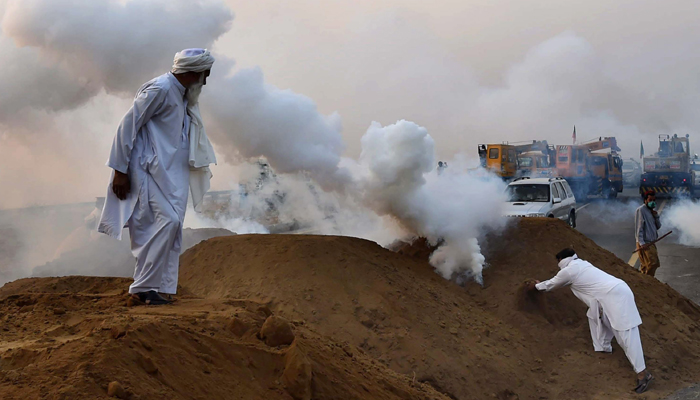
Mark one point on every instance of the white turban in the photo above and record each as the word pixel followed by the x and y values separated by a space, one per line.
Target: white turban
pixel 192 60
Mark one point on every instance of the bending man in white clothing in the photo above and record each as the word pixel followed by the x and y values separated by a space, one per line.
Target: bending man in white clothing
pixel 159 153
pixel 612 311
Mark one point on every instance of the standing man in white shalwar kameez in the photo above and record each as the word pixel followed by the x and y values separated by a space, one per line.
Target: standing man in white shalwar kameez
pixel 159 154
pixel 612 311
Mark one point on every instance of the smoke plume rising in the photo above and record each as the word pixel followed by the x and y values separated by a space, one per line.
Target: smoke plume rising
pixel 451 209
pixel 685 219
pixel 250 118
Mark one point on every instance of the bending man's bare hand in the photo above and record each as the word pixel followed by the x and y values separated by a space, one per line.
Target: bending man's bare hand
pixel 121 185
pixel 530 284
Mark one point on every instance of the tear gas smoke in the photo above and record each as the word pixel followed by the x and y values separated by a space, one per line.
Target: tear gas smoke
pixel 684 218
pixel 196 220
pixel 294 202
pixel 250 118
pixel 31 236
pixel 102 44
pixel 254 119
pixel 451 209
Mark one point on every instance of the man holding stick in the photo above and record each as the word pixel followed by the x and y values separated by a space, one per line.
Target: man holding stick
pixel 646 227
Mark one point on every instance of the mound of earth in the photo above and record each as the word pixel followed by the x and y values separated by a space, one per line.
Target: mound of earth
pixel 363 322
pixel 468 342
pixel 72 338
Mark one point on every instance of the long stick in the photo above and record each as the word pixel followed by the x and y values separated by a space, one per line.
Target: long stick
pixel 654 242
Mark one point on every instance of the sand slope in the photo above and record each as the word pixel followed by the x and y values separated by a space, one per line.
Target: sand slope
pixel 473 342
pixel 369 323
pixel 68 338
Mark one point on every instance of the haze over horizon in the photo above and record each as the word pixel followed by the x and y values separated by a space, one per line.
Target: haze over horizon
pixel 470 72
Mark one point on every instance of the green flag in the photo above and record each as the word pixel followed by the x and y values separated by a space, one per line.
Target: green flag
pixel 641 149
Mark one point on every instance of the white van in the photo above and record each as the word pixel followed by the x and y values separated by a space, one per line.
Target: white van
pixel 541 197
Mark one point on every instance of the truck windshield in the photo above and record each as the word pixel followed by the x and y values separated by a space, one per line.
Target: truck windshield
pixel 526 193
pixel 526 162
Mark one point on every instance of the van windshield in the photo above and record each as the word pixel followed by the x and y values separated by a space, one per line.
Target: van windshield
pixel 528 193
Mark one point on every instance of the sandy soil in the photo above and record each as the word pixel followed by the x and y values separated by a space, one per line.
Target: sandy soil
pixel 367 323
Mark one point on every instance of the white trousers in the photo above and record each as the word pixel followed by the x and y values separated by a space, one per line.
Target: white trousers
pixel 602 334
pixel 155 229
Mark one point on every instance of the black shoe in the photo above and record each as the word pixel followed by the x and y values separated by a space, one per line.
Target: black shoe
pixel 643 384
pixel 151 298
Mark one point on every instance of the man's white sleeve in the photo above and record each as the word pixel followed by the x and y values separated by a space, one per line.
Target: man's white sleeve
pixel 145 106
pixel 561 279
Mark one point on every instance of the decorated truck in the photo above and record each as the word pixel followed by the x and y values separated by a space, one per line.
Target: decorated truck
pixel 668 172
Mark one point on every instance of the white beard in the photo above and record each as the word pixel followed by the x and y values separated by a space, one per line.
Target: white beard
pixel 194 91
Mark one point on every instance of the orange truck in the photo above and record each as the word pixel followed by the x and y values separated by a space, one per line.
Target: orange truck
pixel 537 164
pixel 590 171
pixel 506 161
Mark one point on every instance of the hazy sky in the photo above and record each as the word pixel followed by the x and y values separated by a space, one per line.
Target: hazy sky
pixel 469 71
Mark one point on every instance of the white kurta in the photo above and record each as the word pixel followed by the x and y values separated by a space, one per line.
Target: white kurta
pixel 152 147
pixel 611 307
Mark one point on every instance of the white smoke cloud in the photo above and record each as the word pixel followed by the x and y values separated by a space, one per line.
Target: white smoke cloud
pixel 111 44
pixel 684 218
pixel 36 84
pixel 564 82
pixel 237 225
pixel 452 209
pixel 394 189
pixel 250 118
pixel 294 202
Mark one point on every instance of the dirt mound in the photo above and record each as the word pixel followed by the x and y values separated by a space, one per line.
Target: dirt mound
pixel 71 284
pixel 365 323
pixel 417 248
pixel 63 340
pixel 466 342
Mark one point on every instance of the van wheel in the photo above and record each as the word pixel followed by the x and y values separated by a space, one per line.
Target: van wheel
pixel 572 219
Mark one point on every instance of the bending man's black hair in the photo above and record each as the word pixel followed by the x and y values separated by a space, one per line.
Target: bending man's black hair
pixel 566 253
